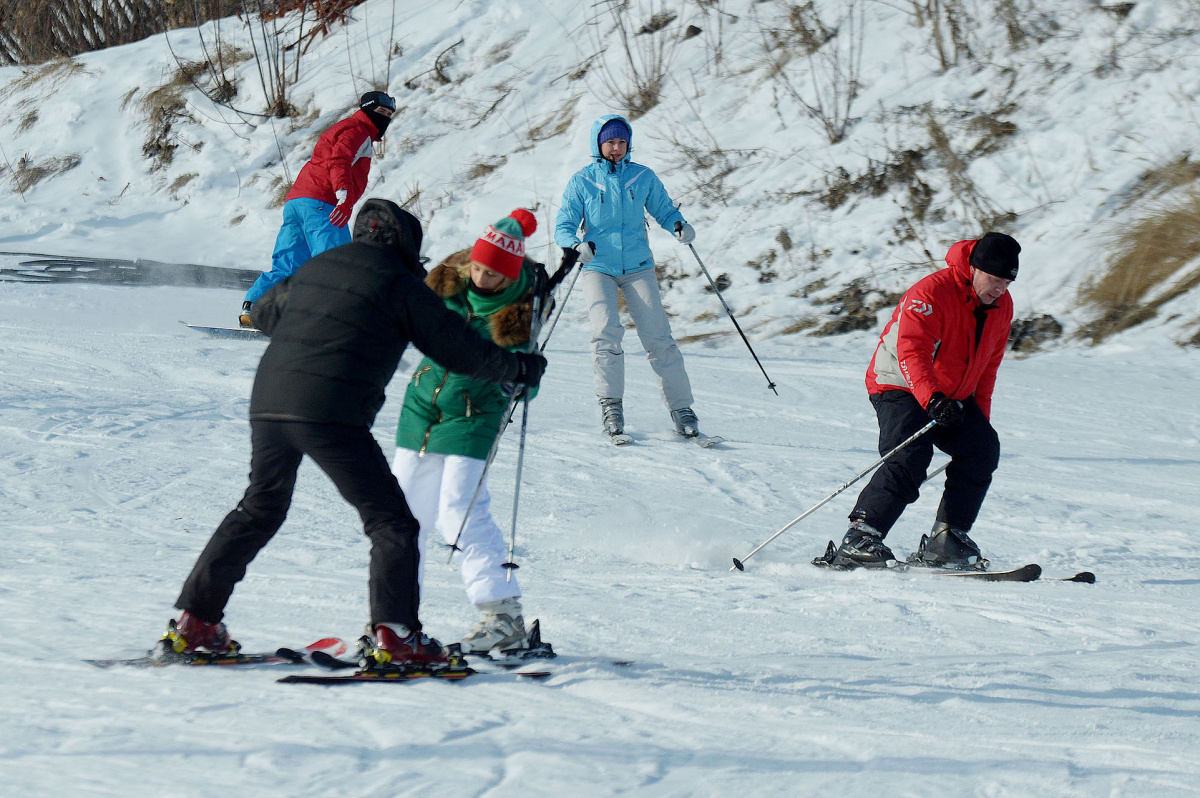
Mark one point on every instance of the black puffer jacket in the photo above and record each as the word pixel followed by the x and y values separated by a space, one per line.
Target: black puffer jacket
pixel 339 325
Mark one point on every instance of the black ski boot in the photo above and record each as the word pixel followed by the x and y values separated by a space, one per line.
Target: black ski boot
pixel 945 547
pixel 862 547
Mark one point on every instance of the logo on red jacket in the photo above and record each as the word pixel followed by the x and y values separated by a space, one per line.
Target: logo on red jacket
pixel 920 307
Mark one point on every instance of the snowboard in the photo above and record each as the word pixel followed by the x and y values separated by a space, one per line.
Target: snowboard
pixel 239 333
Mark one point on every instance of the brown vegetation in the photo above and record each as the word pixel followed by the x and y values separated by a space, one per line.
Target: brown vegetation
pixel 1150 268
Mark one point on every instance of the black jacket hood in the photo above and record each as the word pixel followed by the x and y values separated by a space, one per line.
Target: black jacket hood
pixel 385 224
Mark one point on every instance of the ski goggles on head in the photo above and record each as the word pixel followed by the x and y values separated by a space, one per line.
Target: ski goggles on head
pixel 378 99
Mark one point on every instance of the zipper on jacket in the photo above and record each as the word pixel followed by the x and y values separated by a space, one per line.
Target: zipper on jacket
pixel 416 378
pixel 440 416
pixel 467 398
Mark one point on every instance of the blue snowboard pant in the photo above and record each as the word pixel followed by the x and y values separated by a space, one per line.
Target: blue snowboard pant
pixel 306 233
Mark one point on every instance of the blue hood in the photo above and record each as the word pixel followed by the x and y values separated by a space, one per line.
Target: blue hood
pixel 601 122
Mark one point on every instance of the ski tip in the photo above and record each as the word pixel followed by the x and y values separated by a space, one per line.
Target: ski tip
pixel 1083 577
pixel 334 646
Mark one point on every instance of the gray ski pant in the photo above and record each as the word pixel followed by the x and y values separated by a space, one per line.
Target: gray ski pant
pixel 653 328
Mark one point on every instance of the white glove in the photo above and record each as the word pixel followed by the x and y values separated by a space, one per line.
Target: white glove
pixel 341 195
pixel 587 251
pixel 685 233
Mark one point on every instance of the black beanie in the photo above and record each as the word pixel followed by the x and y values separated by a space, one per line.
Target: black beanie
pixel 996 254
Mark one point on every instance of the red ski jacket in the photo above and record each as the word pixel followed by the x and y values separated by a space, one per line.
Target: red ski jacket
pixel 341 159
pixel 940 338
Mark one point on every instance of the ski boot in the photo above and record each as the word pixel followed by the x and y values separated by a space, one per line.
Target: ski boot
pixel 686 423
pixel 946 547
pixel 500 627
pixel 862 547
pixel 190 638
pixel 244 318
pixel 392 647
pixel 614 417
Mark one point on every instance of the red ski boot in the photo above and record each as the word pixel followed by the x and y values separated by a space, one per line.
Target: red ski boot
pixel 395 646
pixel 190 633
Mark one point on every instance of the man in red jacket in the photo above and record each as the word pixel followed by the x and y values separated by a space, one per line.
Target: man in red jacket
pixel 318 207
pixel 937 359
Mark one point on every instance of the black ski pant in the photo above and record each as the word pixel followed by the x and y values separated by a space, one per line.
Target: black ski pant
pixel 351 457
pixel 974 451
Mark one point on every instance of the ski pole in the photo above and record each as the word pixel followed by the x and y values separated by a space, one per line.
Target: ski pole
pixel 717 291
pixel 506 417
pixel 534 329
pixel 739 564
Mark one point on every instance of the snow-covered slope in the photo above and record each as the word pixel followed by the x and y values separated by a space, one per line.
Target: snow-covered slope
pixel 1044 128
pixel 121 449
pixel 123 436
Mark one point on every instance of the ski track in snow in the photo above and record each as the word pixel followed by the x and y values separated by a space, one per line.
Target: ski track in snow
pixel 124 442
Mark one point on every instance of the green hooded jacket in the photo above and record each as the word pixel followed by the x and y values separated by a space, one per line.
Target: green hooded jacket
pixel 444 411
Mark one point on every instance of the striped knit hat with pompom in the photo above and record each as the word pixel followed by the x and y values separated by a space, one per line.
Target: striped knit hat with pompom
pixel 501 248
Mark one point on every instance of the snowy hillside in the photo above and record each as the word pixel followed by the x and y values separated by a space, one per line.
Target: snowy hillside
pixel 1060 122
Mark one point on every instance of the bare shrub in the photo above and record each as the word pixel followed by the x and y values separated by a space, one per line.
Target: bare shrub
pixel 831 79
pixel 634 71
pixel 28 121
pixel 856 307
pixel 484 168
pixel 973 203
pixel 1150 268
pixel 696 150
pixel 1158 180
pixel 46 77
pixel 164 107
pixel 949 28
pixel 27 173
pixel 551 125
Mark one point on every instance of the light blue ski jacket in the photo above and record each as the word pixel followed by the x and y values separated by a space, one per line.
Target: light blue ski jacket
pixel 610 201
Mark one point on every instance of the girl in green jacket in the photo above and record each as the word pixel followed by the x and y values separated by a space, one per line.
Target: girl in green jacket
pixel 449 422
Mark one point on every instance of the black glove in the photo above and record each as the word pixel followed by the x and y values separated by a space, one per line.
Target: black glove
pixel 530 368
pixel 945 411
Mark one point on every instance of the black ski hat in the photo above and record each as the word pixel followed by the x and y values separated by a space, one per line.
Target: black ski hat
pixel 384 223
pixel 372 100
pixel 996 254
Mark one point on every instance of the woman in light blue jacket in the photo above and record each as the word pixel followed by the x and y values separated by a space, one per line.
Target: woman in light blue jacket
pixel 605 204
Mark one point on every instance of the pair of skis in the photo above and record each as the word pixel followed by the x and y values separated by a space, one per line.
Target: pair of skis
pixel 326 653
pixel 700 439
pixel 1030 572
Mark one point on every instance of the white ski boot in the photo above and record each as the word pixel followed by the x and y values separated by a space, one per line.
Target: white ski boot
pixel 501 627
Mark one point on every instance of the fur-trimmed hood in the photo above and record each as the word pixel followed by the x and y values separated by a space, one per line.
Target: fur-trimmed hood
pixel 509 314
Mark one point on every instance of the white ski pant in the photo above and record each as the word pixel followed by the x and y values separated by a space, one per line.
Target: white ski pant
pixel 439 488
pixel 653 328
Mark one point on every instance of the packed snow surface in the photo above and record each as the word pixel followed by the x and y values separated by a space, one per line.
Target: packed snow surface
pixel 124 441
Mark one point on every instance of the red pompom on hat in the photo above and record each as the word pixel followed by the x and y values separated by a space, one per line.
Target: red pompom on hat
pixel 501 248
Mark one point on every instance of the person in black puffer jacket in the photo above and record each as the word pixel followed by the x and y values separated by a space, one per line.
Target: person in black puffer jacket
pixel 338 328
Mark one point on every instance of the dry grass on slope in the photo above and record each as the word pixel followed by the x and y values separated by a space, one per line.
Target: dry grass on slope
pixel 1150 268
